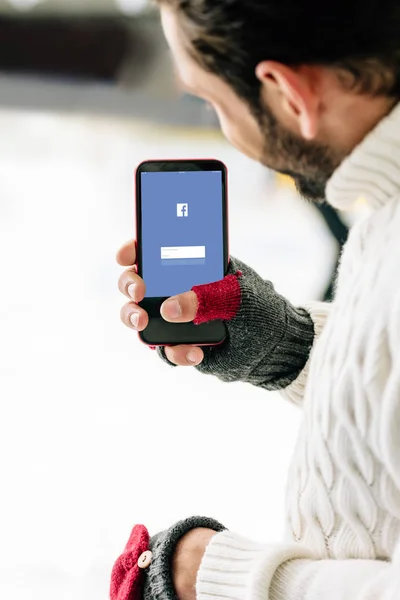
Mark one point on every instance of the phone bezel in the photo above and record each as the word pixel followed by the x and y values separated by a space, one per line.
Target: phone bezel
pixel 209 334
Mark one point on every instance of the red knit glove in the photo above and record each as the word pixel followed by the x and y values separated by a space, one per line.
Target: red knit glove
pixel 219 301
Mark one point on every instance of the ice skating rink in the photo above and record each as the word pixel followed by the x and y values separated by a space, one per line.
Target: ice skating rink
pixel 95 433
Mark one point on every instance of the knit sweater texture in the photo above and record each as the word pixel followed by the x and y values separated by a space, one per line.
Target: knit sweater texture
pixel 343 493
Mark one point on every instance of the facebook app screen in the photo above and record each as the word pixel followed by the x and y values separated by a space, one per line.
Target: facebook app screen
pixel 182 231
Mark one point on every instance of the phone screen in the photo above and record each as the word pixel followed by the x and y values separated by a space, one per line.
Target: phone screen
pixel 182 230
pixel 182 241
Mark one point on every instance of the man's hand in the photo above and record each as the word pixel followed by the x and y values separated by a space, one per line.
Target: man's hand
pixel 187 560
pixel 180 309
pixel 268 340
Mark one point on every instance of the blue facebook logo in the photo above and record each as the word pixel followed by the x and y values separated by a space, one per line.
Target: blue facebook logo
pixel 182 210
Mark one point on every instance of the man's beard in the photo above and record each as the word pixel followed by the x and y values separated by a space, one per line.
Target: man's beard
pixel 310 164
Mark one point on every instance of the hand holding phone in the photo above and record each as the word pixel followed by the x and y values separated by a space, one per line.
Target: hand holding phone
pixel 268 342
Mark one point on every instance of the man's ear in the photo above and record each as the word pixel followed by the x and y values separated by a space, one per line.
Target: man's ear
pixel 294 94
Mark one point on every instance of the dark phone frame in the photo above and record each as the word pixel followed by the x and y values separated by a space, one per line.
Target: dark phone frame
pixel 159 332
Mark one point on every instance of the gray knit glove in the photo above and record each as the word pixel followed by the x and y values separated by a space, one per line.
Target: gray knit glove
pixel 144 569
pixel 268 340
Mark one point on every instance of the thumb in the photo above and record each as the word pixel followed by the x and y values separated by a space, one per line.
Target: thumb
pixel 180 309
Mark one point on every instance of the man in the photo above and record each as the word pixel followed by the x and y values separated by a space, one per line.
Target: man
pixel 310 89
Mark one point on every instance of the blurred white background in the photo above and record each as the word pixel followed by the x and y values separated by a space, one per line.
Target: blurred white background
pixel 129 7
pixel 96 434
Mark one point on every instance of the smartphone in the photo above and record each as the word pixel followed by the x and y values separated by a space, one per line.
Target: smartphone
pixel 182 241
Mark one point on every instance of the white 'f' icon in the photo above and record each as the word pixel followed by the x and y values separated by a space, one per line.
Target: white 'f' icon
pixel 182 210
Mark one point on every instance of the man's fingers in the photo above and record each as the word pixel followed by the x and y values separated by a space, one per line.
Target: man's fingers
pixel 180 309
pixel 134 317
pixel 132 286
pixel 126 256
pixel 184 356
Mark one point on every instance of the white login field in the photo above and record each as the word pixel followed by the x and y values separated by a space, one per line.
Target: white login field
pixel 183 252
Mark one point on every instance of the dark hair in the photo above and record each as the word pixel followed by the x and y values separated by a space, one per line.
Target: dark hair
pixel 361 39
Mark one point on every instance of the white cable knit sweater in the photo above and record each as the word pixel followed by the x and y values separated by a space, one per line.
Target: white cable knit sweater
pixel 343 500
